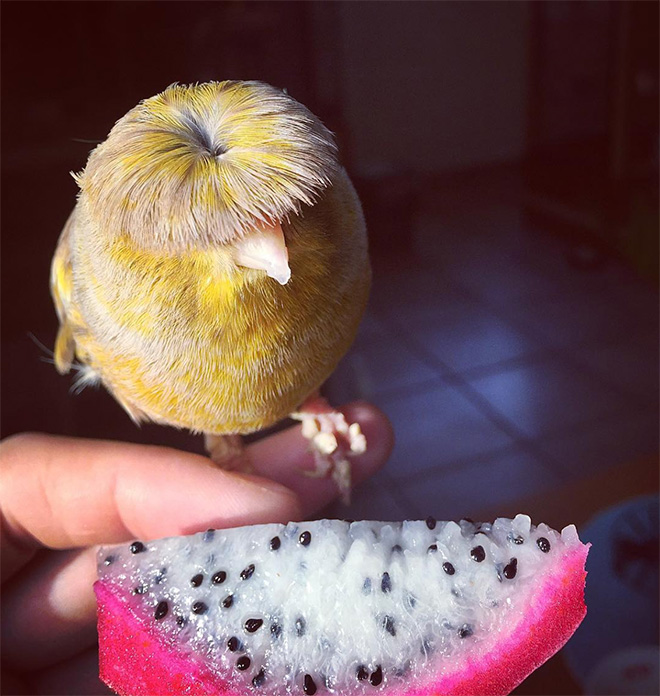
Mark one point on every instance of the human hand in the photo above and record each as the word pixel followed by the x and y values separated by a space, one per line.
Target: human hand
pixel 62 496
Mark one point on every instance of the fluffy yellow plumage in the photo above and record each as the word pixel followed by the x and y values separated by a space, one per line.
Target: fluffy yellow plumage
pixel 155 280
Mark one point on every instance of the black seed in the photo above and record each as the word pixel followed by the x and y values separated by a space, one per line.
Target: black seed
pixel 275 630
pixel 511 569
pixel 234 644
pixel 465 631
pixel 397 549
pixel 361 673
pixel 478 554
pixel 196 580
pixel 366 586
pixel 208 535
pixel 140 589
pixel 430 522
pixel 252 625
pixel 137 547
pixel 309 687
pixel 247 572
pixel 108 560
pixel 388 625
pixel 243 663
pixel 275 543
pixel 161 610
pixel 259 678
pixel 305 539
pixel 448 568
pixel 219 577
pixel 199 608
pixel 543 544
pixel 228 601
pixel 432 549
pixel 515 538
pixel 376 677
pixel 180 621
pixel 300 626
pixel 386 583
pixel 160 576
pixel 412 600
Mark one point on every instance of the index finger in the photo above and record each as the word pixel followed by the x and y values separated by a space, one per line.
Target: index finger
pixel 63 492
pixel 66 492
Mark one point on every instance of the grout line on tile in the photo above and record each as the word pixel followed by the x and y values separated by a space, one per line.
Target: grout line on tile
pixel 481 460
pixel 396 393
pixel 503 365
pixel 462 385
pixel 455 379
pixel 566 355
pixel 459 463
pixel 577 429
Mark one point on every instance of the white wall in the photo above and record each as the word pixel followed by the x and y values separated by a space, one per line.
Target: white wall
pixel 434 86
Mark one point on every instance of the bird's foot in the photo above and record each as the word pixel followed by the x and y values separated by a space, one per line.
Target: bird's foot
pixel 228 452
pixel 333 441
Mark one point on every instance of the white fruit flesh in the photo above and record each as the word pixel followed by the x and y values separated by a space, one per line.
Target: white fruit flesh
pixel 402 597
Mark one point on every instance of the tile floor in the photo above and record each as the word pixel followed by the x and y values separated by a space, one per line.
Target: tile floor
pixel 505 370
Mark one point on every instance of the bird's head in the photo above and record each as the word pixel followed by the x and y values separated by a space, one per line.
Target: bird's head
pixel 220 163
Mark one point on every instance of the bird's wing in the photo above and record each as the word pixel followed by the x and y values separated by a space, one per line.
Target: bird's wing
pixel 66 348
pixel 61 288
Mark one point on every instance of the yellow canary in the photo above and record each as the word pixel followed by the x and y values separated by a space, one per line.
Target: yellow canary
pixel 214 269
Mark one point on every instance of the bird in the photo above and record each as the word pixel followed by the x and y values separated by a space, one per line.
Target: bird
pixel 215 269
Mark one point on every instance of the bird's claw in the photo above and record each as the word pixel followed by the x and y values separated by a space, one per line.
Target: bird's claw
pixel 228 452
pixel 332 441
pixel 325 443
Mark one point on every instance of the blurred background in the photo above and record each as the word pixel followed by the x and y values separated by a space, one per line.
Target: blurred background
pixel 506 154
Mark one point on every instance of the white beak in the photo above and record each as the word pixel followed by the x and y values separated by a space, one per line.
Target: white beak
pixel 264 249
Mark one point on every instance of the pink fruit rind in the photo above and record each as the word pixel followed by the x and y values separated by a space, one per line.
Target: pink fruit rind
pixel 504 662
pixel 134 661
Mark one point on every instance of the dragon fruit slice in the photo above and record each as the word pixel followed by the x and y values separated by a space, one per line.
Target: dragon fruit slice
pixel 406 608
